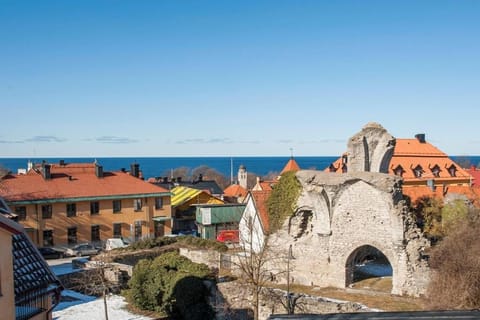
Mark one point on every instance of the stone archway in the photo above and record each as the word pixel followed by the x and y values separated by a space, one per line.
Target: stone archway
pixel 366 262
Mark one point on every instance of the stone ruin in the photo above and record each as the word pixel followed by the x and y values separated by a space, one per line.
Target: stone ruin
pixel 340 218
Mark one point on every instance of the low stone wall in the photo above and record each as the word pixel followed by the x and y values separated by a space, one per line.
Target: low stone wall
pixel 209 257
pixel 234 301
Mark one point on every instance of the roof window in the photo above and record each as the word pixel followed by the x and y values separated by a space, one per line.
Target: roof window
pixel 435 170
pixel 398 171
pixel 452 170
pixel 418 171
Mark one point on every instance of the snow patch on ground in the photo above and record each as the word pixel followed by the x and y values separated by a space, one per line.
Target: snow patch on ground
pixel 91 308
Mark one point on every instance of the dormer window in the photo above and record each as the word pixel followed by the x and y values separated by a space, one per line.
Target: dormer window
pixel 418 171
pixel 452 170
pixel 436 171
pixel 332 168
pixel 398 171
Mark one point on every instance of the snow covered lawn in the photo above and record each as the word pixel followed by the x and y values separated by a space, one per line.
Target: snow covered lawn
pixel 76 306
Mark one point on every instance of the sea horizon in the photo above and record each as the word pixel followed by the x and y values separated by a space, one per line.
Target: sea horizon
pixel 152 166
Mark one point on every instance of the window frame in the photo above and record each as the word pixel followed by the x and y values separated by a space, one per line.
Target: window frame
pixel 94 208
pixel 114 234
pixel 137 204
pixel 95 230
pixel 21 214
pixel 47 211
pixel 51 242
pixel 69 211
pixel 117 206
pixel 72 239
pixel 158 203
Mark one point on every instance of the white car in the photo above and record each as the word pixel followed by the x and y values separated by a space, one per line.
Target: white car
pixel 84 249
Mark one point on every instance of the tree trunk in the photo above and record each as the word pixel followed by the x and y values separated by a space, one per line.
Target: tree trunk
pixel 105 303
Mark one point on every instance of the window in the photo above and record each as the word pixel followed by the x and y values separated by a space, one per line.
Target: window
pixel 95 233
pixel 452 170
pixel 21 212
pixel 94 207
pixel 71 209
pixel 72 235
pixel 117 206
pixel 117 230
pixel 436 171
pixel 137 204
pixel 158 203
pixel 47 211
pixel 138 230
pixel 398 171
pixel 47 238
pixel 418 171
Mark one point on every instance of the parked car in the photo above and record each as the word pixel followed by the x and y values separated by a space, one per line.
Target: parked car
pixel 228 236
pixel 50 253
pixel 84 249
pixel 114 243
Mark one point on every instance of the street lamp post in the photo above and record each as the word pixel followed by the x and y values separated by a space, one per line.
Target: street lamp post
pixel 290 307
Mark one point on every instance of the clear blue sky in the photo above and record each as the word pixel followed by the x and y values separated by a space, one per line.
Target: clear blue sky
pixel 233 78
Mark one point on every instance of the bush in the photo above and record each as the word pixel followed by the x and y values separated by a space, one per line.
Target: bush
pixel 159 285
pixel 455 264
pixel 202 243
pixel 150 243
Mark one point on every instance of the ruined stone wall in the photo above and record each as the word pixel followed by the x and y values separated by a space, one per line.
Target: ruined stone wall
pixel 337 214
pixel 370 150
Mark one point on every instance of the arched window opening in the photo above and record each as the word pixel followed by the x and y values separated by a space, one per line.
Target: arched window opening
pixel 368 267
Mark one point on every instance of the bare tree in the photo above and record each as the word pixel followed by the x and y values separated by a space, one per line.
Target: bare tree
pixel 257 262
pixel 99 279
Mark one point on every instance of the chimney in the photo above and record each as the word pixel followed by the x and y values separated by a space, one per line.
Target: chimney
pixel 46 171
pixel 135 169
pixel 99 171
pixel 420 137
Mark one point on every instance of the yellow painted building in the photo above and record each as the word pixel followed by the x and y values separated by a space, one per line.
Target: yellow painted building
pixel 64 204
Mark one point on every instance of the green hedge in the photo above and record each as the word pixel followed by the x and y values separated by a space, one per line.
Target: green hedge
pixel 170 284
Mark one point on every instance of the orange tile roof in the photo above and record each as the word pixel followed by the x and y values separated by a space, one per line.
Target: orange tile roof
pixel 291 165
pixel 235 190
pixel 409 153
pixel 260 198
pixel 74 181
pixel 417 192
pixel 475 173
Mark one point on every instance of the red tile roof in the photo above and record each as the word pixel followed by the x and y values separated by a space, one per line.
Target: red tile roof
pixel 440 192
pixel 410 153
pixel 260 198
pixel 291 165
pixel 73 181
pixel 475 173
pixel 235 190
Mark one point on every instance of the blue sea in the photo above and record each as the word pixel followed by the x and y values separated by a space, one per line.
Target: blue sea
pixel 158 167
pixel 161 166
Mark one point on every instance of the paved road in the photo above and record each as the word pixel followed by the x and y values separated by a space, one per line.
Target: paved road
pixel 420 315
